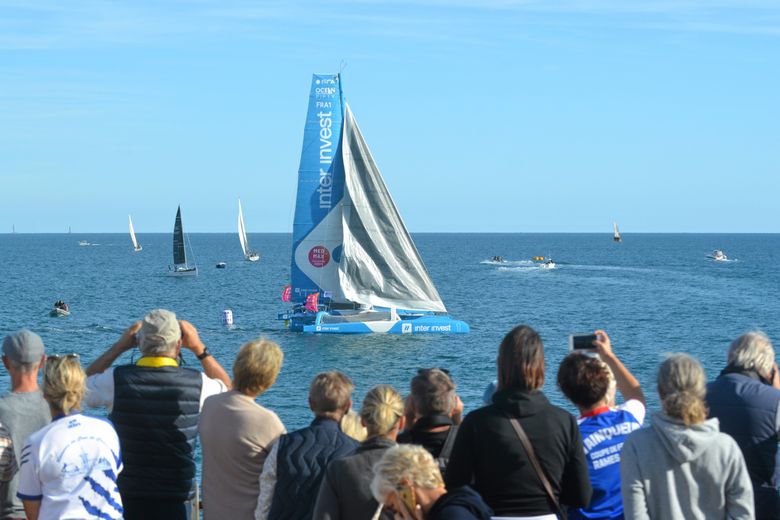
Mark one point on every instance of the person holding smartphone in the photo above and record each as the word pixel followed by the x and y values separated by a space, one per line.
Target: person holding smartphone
pixel 589 382
pixel 745 399
pixel 408 482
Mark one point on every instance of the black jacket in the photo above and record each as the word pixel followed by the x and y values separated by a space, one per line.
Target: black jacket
pixel 461 503
pixel 488 455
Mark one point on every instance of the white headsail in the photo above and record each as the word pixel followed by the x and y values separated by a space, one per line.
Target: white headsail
pixel 132 234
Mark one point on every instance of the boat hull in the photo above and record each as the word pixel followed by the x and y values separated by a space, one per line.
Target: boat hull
pixel 59 313
pixel 182 272
pixel 321 323
pixel 252 257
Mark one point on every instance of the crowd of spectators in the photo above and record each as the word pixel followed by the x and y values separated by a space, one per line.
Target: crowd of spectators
pixel 711 452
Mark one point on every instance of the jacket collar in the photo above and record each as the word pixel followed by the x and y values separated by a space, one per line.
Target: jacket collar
pixel 375 443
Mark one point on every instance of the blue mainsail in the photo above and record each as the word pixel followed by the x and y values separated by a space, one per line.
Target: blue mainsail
pixel 317 227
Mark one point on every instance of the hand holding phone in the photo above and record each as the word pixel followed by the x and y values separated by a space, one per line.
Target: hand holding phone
pixel 582 341
pixel 408 503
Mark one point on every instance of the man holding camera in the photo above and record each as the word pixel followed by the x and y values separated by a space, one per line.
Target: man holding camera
pixel 746 400
pixel 155 405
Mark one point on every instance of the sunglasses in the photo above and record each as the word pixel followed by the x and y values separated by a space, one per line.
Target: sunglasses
pixel 57 357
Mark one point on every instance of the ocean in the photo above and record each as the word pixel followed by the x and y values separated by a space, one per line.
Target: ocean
pixel 653 293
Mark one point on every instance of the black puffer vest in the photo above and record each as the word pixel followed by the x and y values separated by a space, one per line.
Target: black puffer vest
pixel 301 460
pixel 155 414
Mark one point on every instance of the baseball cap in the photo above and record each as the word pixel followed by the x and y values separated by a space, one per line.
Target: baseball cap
pixel 159 327
pixel 23 346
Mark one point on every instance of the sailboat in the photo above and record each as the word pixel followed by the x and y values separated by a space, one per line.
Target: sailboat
pixel 252 256
pixel 136 246
pixel 355 268
pixel 180 266
pixel 616 236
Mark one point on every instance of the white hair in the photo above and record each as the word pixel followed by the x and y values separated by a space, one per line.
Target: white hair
pixel 404 462
pixel 752 351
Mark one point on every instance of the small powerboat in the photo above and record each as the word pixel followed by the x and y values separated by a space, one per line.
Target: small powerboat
pixel 718 256
pixel 84 243
pixel 549 264
pixel 498 259
pixel 221 265
pixel 60 309
pixel 538 259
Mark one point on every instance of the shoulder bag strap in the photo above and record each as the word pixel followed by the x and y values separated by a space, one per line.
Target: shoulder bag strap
pixel 529 449
pixel 449 442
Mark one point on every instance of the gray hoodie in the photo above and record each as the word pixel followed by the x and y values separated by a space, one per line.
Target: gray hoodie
pixel 670 471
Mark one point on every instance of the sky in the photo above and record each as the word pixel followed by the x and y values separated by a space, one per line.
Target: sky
pixel 483 115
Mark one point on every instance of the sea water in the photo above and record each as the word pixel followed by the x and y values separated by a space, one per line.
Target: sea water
pixel 654 294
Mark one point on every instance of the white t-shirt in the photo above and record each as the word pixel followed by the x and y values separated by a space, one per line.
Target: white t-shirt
pixel 100 389
pixel 71 466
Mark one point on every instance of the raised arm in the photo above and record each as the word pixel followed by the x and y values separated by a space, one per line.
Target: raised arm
pixel 627 384
pixel 126 342
pixel 191 341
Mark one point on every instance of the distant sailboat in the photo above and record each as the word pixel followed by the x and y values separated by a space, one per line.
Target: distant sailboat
pixel 180 266
pixel 616 237
pixel 136 246
pixel 252 256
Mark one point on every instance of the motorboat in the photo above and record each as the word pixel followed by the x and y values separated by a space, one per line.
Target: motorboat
pixel 221 265
pixel 548 264
pixel 538 259
pixel 59 310
pixel 84 243
pixel 718 256
pixel 498 259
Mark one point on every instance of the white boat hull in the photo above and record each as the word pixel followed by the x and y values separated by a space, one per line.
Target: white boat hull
pixel 183 271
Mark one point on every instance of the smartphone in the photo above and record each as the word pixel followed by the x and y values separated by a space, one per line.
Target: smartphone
pixel 406 494
pixel 582 341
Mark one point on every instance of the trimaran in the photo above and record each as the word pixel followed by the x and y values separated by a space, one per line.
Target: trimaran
pixel 355 269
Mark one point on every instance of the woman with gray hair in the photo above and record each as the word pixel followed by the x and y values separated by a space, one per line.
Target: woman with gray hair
pixel 69 468
pixel 683 467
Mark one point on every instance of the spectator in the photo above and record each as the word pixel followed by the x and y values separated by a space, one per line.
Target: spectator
pixel 8 467
pixel 345 493
pixel 155 405
pixel 23 411
pixel 433 404
pixel 746 401
pixel 489 453
pixel 589 382
pixel 682 467
pixel 233 456
pixel 351 425
pixel 69 467
pixel 408 481
pixel 293 471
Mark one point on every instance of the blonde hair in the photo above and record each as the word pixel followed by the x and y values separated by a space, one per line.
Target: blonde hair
pixel 382 408
pixel 63 383
pixel 330 393
pixel 682 387
pixel 752 351
pixel 351 425
pixel 408 462
pixel 256 366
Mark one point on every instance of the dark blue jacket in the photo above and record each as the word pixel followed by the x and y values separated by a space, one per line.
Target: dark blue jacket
pixel 461 503
pixel 748 409
pixel 155 414
pixel 301 460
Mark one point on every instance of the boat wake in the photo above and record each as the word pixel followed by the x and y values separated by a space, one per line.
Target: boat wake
pixel 508 263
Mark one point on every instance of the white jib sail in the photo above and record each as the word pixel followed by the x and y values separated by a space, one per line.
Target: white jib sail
pixel 380 265
pixel 132 232
pixel 242 230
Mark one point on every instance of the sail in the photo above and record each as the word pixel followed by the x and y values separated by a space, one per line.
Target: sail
pixel 132 232
pixel 179 256
pixel 317 239
pixel 242 230
pixel 380 264
pixel 617 233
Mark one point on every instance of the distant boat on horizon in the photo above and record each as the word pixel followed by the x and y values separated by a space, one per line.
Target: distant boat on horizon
pixel 250 255
pixel 616 236
pixel 180 266
pixel 136 246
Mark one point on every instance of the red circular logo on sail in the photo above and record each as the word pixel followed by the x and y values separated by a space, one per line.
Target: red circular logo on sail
pixel 319 256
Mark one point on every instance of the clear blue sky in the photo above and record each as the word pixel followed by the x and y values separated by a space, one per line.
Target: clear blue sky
pixel 483 115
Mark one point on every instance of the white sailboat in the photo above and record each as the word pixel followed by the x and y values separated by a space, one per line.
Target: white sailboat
pixel 616 236
pixel 252 256
pixel 180 266
pixel 136 245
